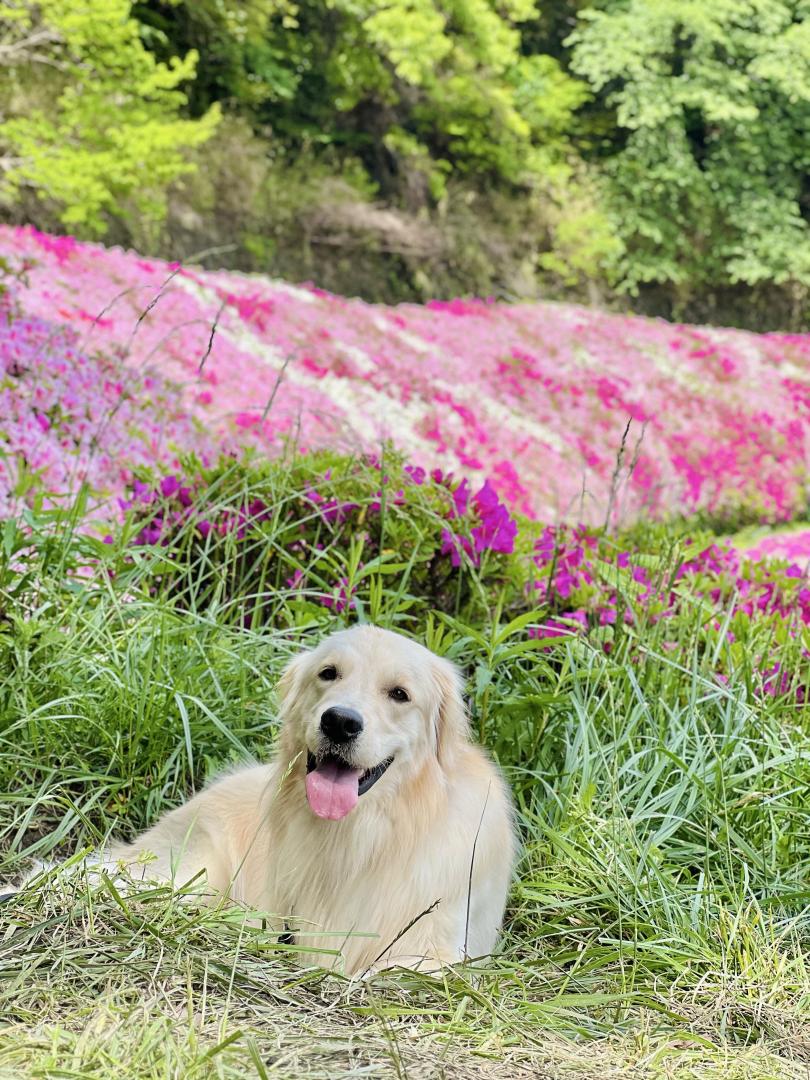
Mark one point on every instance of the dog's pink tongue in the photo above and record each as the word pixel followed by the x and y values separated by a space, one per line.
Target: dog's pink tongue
pixel 332 790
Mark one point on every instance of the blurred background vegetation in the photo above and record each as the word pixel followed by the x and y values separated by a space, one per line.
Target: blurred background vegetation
pixel 644 154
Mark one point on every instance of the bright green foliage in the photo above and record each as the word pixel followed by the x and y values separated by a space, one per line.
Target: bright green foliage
pixel 708 161
pixel 240 63
pixel 92 121
pixel 451 77
pixel 464 60
pixel 421 92
pixel 655 146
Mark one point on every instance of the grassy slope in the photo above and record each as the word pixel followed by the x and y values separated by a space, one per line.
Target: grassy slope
pixel 658 923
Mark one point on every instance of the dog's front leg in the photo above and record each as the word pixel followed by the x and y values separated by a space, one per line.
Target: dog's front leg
pixel 435 941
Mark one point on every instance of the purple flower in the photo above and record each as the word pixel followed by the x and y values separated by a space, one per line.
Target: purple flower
pixel 461 499
pixel 578 616
pixel 453 545
pixel 150 534
pixel 565 583
pixel 141 492
pixel 336 512
pixel 169 485
pixel 257 510
pixel 498 529
pixel 551 628
pixel 545 546
pixel 340 598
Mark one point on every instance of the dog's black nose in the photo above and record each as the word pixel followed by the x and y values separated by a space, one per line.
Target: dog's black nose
pixel 341 725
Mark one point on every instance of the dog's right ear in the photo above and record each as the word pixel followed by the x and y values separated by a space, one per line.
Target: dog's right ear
pixel 288 686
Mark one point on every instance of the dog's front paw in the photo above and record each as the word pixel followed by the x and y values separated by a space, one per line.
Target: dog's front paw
pixel 424 964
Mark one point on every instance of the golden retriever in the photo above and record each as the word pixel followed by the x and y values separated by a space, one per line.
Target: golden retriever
pixel 379 835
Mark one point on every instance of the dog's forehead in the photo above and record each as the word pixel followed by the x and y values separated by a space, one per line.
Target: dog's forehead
pixel 369 645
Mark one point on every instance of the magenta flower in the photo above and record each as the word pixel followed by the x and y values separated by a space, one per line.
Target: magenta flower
pixel 340 598
pixel 453 545
pixel 416 473
pixel 498 529
pixel 461 499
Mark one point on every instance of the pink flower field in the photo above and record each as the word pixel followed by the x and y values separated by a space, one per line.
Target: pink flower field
pixel 111 361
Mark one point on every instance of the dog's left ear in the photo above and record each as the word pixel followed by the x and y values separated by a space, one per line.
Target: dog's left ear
pixel 450 717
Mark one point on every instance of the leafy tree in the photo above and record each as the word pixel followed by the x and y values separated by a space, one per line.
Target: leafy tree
pixel 92 121
pixel 707 162
pixel 443 83
pixel 422 92
pixel 243 61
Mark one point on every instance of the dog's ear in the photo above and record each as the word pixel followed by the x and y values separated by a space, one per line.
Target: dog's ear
pixel 288 686
pixel 450 715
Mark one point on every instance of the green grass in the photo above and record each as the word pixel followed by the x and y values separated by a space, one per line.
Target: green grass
pixel 659 924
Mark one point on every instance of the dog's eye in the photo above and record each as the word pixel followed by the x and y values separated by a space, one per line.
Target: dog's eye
pixel 328 674
pixel 398 694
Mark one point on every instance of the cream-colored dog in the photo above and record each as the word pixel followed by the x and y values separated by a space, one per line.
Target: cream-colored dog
pixel 379 835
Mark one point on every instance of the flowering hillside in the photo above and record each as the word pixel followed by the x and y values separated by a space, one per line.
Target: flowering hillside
pixel 120 361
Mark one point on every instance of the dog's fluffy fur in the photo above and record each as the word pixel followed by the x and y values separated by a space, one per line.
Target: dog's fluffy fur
pixel 415 874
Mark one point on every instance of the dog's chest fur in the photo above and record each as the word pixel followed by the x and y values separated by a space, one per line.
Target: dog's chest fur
pixel 363 879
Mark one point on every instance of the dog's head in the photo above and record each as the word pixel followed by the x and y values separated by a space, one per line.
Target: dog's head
pixel 366 709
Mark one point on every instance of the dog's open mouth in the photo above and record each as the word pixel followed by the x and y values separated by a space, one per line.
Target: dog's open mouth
pixel 333 786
